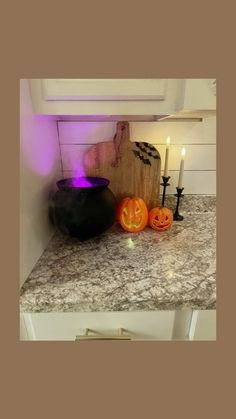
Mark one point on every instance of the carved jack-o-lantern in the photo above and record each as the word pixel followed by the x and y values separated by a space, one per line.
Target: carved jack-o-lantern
pixel 160 218
pixel 132 214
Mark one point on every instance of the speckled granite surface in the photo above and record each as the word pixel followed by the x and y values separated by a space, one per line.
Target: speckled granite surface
pixel 119 271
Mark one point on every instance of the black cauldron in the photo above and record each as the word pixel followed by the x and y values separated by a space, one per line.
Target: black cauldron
pixel 83 207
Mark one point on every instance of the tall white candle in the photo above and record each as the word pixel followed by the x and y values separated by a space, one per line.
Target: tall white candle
pixel 167 156
pixel 181 170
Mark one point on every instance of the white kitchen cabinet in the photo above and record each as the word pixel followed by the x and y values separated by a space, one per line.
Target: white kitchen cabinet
pixel 96 97
pixel 200 94
pixel 198 99
pixel 155 325
pixel 108 97
pixel 156 98
pixel 203 325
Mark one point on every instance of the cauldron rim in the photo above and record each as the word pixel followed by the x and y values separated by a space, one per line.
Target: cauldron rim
pixel 82 182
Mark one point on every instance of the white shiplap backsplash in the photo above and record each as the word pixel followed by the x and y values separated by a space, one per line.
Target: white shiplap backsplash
pixel 199 139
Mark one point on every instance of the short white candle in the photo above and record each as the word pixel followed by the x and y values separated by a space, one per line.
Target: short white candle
pixel 167 157
pixel 181 170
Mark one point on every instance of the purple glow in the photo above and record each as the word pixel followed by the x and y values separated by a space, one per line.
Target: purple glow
pixel 78 170
pixel 39 145
pixel 81 182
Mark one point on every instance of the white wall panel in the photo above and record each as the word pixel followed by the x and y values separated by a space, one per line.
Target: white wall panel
pixel 198 138
pixel 85 132
pixel 198 157
pixel 194 182
pixel 179 132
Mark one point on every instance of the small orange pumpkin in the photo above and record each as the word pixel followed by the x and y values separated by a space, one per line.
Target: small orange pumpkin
pixel 132 214
pixel 160 219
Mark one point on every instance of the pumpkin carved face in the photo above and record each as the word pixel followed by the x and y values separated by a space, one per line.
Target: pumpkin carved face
pixel 160 219
pixel 132 214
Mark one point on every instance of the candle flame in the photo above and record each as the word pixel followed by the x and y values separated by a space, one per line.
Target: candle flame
pixel 168 140
pixel 183 152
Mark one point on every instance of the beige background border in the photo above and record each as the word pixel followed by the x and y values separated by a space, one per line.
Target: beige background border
pixel 117 379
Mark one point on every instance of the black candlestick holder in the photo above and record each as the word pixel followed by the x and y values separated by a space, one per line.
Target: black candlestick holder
pixel 164 184
pixel 177 216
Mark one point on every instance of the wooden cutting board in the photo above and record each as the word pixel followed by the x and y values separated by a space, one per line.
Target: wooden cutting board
pixel 132 168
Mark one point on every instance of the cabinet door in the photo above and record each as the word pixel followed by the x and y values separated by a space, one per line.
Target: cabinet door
pixel 24 328
pixel 203 325
pixel 104 89
pixel 99 97
pixel 200 94
pixel 66 326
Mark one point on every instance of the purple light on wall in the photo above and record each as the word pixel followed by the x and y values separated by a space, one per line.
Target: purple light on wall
pixel 77 138
pixel 39 143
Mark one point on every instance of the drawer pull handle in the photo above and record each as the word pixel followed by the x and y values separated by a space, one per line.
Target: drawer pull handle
pixel 120 336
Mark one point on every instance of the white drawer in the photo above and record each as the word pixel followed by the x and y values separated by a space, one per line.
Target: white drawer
pixel 157 325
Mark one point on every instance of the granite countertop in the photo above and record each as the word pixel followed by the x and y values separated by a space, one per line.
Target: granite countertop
pixel 120 271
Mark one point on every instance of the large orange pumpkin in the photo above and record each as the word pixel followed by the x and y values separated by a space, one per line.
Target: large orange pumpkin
pixel 160 218
pixel 132 214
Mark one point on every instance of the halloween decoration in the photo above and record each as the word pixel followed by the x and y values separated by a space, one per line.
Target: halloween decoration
pixel 160 219
pixel 83 207
pixel 179 194
pixel 145 152
pixel 164 184
pixel 132 214
pixel 133 168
